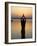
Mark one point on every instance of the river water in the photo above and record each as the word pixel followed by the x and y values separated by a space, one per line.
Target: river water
pixel 16 29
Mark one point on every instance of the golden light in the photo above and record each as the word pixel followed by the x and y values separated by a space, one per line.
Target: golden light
pixel 19 11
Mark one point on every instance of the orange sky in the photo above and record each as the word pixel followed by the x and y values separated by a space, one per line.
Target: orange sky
pixel 19 11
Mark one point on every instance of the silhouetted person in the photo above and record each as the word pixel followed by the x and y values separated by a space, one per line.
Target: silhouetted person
pixel 23 22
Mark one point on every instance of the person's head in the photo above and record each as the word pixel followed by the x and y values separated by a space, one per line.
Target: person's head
pixel 23 15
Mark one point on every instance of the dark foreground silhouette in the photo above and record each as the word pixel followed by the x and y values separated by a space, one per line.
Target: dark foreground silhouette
pixel 23 22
